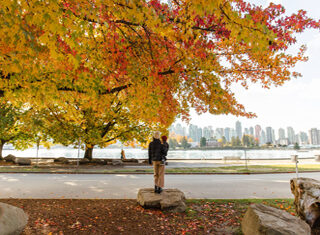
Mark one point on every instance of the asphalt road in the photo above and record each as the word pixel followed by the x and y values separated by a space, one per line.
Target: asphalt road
pixel 127 186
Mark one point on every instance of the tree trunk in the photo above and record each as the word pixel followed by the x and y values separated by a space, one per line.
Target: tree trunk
pixel 88 153
pixel 306 192
pixel 1 147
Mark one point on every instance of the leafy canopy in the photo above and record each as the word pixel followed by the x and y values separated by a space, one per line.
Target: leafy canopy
pixel 157 61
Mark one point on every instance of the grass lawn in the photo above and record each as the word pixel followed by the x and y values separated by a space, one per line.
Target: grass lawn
pixel 137 169
pixel 83 216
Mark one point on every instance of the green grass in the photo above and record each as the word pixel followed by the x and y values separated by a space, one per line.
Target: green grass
pixel 185 170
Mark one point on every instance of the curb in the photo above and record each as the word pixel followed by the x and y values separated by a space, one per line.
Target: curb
pixel 150 173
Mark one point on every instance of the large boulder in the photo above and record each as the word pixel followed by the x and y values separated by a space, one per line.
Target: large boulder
pixel 116 162
pixel 23 161
pixel 62 160
pixel 12 220
pixel 84 161
pixel 10 158
pixel 265 220
pixel 170 199
pixel 306 193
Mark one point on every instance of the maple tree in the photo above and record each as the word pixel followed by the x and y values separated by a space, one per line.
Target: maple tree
pixel 151 61
pixel 12 129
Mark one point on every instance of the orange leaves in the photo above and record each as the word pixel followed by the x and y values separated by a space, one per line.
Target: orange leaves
pixel 174 58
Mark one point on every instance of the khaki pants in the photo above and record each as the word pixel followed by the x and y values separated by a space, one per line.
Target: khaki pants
pixel 158 173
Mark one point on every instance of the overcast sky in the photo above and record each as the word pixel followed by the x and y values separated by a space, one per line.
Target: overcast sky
pixel 297 103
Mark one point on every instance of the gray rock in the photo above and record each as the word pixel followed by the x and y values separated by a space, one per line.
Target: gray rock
pixel 61 160
pixel 23 161
pixel 170 199
pixel 12 220
pixel 10 158
pixel 265 220
pixel 117 162
pixel 84 161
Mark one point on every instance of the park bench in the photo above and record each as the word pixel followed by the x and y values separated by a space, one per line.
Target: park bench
pixel 231 158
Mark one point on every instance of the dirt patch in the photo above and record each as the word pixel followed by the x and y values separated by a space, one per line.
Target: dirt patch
pixel 82 216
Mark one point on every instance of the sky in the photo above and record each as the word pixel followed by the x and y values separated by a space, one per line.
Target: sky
pixel 297 103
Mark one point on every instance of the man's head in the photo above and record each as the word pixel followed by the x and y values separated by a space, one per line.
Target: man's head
pixel 164 138
pixel 156 135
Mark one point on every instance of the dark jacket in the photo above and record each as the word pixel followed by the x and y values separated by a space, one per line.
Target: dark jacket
pixel 165 150
pixel 156 151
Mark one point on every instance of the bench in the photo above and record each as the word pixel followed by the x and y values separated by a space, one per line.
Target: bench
pixel 231 158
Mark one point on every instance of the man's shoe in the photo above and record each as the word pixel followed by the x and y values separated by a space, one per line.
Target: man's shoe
pixel 160 190
pixel 156 189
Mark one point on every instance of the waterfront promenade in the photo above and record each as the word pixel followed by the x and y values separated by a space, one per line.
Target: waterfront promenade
pixel 126 186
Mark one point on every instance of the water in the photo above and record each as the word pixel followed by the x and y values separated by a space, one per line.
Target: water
pixel 60 151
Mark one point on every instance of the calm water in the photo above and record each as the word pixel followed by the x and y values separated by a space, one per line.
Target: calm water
pixel 58 151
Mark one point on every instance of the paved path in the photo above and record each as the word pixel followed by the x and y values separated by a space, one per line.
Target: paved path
pixel 127 186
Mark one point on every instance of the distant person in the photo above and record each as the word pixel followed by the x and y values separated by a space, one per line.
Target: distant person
pixel 156 153
pixel 123 155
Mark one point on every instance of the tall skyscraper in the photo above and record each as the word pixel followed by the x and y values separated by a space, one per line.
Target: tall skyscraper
pixel 263 138
pixel 281 133
pixel 291 135
pixel 314 136
pixel 269 133
pixel 207 132
pixel 257 132
pixel 303 138
pixel 227 134
pixel 238 129
pixel 251 131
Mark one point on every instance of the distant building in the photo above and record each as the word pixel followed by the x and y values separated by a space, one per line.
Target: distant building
pixel 291 135
pixel 251 131
pixel 207 132
pixel 213 143
pixel 219 133
pixel 263 137
pixel 284 142
pixel 314 136
pixel 238 129
pixel 232 133
pixel 257 132
pixel 303 138
pixel 227 134
pixel 269 135
pixel 281 133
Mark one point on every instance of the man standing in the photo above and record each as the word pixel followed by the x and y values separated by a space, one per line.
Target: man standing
pixel 156 153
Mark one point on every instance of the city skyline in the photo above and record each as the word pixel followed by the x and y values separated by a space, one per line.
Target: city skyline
pixel 282 136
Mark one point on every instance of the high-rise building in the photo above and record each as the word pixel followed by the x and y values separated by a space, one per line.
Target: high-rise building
pixel 199 134
pixel 232 133
pixel 303 138
pixel 263 138
pixel 251 132
pixel 269 131
pixel 246 131
pixel 257 132
pixel 291 135
pixel 193 132
pixel 238 130
pixel 227 134
pixel 314 136
pixel 219 133
pixel 281 133
pixel 206 133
